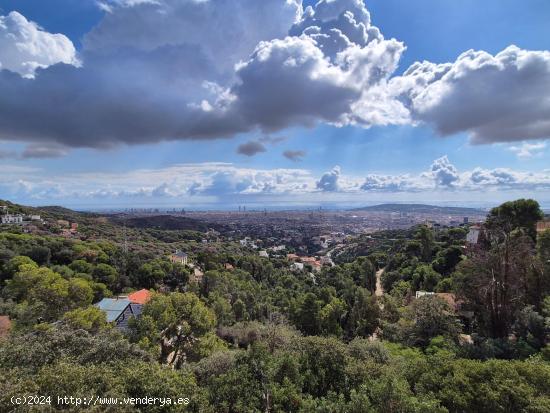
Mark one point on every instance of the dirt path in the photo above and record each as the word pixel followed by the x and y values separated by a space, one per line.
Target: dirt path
pixel 379 292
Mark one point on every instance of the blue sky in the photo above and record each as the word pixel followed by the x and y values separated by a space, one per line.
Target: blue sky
pixel 147 128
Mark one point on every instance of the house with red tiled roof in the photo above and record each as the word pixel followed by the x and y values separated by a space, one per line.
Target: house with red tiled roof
pixel 313 262
pixel 308 260
pixel 120 309
pixel 316 265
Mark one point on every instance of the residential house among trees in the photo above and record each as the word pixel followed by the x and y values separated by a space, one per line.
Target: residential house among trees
pixel 7 218
pixel 179 257
pixel 473 235
pixel 12 219
pixel 118 311
pixel 138 299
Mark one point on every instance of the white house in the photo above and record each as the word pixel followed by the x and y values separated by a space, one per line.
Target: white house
pixel 297 266
pixel 473 235
pixel 247 242
pixel 12 219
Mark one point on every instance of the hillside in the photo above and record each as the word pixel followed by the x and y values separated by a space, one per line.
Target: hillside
pixel 18 209
pixel 49 212
pixel 392 318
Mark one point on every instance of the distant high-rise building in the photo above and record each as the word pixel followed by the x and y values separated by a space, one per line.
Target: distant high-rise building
pixel 466 220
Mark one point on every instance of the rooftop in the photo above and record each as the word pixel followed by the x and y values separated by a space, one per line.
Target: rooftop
pixel 113 307
pixel 140 297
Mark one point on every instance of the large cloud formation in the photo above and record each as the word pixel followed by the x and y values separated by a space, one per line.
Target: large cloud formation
pixel 445 176
pixel 497 98
pixel 390 183
pixel 25 47
pixel 192 182
pixel 172 69
pixel 329 180
pixel 444 172
pixel 186 69
pixel 208 182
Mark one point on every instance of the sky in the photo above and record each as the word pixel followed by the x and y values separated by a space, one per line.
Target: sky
pixel 279 103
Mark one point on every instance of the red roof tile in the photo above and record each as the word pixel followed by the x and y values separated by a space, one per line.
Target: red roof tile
pixel 140 297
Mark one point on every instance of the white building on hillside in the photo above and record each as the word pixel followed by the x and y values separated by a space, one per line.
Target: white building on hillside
pixel 297 266
pixel 473 234
pixel 12 219
pixel 423 293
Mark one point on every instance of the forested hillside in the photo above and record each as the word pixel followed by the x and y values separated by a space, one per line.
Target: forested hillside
pixel 418 320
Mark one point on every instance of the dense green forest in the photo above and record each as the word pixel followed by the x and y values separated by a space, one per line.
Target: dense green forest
pixel 254 336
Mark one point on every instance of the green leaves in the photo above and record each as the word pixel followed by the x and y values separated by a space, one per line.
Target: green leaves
pixel 48 293
pixel 91 319
pixel 521 214
pixel 180 324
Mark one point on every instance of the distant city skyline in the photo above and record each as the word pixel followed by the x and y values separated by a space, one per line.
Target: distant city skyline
pixel 168 103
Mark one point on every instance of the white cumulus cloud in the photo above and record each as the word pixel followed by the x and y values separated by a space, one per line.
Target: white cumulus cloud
pixel 444 176
pixel 498 98
pixel 187 69
pixel 329 180
pixel 25 47
pixel 444 172
pixel 155 70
